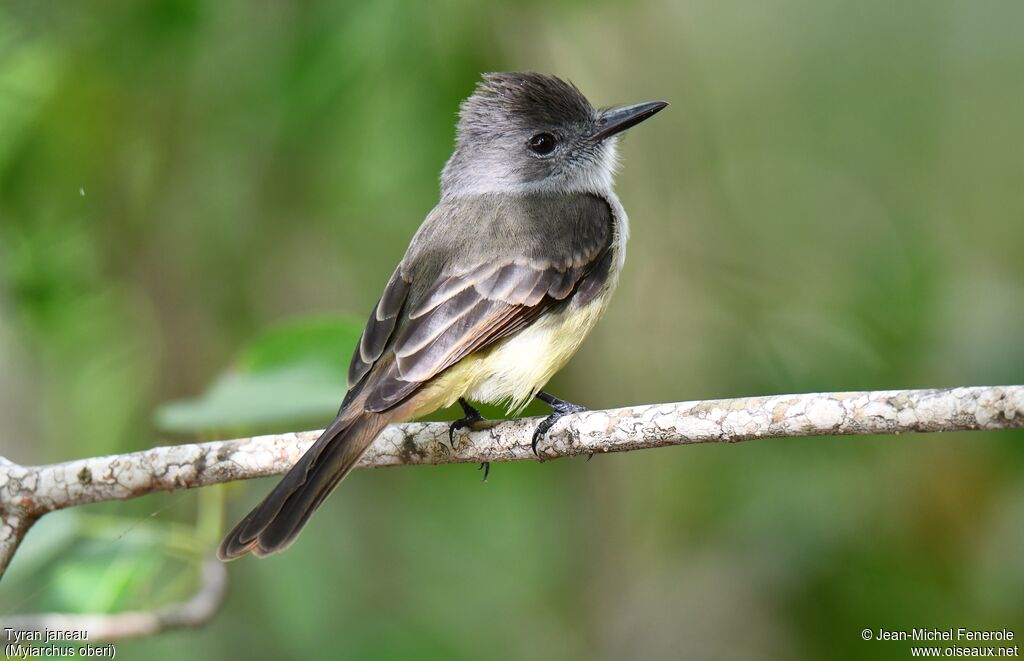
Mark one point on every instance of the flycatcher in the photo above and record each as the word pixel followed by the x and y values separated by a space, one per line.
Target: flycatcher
pixel 496 291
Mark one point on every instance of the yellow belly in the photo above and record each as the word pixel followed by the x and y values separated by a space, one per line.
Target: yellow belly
pixel 514 369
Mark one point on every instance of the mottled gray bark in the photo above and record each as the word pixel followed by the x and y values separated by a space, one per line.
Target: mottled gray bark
pixel 28 492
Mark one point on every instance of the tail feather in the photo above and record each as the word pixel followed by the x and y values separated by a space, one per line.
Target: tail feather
pixel 275 523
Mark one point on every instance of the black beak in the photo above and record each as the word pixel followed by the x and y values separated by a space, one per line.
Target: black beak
pixel 617 120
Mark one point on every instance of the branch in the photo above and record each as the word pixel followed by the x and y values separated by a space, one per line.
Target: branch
pixel 28 492
pixel 196 611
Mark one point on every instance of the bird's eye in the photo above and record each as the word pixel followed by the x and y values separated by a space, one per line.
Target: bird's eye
pixel 542 144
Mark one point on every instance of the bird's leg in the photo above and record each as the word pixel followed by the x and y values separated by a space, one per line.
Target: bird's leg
pixel 470 420
pixel 559 409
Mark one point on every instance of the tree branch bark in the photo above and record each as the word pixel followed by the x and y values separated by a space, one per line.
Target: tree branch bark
pixel 28 492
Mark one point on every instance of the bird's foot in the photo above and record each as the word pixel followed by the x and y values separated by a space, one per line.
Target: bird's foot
pixel 559 409
pixel 471 420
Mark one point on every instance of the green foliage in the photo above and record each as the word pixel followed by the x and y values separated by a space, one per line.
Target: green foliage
pixel 291 374
pixel 831 202
pixel 86 563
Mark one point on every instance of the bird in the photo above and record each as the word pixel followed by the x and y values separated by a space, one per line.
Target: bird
pixel 497 290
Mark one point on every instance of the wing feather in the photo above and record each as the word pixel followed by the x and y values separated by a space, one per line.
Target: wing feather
pixel 422 333
pixel 379 328
pixel 469 307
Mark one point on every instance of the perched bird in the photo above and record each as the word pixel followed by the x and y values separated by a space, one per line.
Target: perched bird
pixel 498 288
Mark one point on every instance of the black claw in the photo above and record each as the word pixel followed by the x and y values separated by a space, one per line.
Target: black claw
pixel 471 418
pixel 559 409
pixel 486 465
pixel 541 429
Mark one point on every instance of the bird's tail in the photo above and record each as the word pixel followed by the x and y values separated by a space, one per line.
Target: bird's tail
pixel 275 523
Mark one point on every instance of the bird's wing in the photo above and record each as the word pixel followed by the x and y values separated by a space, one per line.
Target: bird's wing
pixel 379 328
pixel 511 271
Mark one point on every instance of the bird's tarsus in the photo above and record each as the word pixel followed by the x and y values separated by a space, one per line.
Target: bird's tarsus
pixel 472 416
pixel 559 409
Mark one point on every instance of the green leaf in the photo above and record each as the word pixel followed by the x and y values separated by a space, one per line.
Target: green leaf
pixel 324 341
pixel 293 373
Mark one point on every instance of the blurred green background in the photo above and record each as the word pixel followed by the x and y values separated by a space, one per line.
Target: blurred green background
pixel 208 193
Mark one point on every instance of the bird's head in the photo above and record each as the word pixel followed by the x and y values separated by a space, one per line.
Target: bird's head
pixel 528 132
